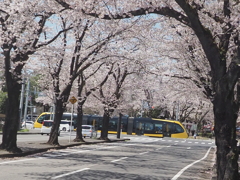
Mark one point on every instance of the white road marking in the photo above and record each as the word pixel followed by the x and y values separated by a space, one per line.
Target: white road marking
pixel 73 172
pixel 119 159
pixel 185 168
pixel 82 151
pixel 21 160
pixel 143 153
pixel 108 147
pixel 51 155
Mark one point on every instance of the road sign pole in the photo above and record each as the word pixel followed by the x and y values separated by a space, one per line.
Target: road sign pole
pixel 72 100
pixel 71 125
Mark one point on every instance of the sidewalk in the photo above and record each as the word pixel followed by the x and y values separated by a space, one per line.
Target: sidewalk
pixel 32 147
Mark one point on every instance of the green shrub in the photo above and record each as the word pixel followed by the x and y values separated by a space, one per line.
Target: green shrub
pixel 204 134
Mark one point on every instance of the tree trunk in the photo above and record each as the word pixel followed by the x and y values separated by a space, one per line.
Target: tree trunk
pixel 60 104
pixel 79 124
pixel 105 124
pixel 53 138
pixel 10 128
pixel 225 111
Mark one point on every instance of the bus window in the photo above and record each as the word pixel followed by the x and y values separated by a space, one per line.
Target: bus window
pixel 148 126
pixel 85 120
pixel 139 128
pixel 178 129
pixel 100 123
pixel 158 128
pixel 96 123
pixel 66 117
pixel 167 129
pixel 112 126
pixel 45 117
pixel 124 124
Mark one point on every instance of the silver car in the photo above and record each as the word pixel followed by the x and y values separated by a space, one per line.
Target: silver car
pixel 27 124
pixel 88 131
pixel 47 126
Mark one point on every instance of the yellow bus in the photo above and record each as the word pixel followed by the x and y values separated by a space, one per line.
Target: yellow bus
pixel 50 116
pixel 129 125
pixel 151 127
pixel 140 126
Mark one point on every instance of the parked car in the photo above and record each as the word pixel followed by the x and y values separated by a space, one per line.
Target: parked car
pixel 31 117
pixel 27 124
pixel 65 125
pixel 47 126
pixel 88 131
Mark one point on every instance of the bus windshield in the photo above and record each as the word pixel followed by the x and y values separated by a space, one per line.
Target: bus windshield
pixel 45 117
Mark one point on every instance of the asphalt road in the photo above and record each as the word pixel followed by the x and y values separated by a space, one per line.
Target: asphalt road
pixel 141 158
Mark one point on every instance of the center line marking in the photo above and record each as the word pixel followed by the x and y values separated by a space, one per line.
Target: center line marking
pixel 143 153
pixel 73 172
pixel 119 159
pixel 21 160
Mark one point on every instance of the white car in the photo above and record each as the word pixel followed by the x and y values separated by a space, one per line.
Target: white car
pixel 65 125
pixel 47 126
pixel 88 131
pixel 27 124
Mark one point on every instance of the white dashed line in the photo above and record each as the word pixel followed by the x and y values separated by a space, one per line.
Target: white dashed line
pixel 143 153
pixel 21 160
pixel 73 172
pixel 119 159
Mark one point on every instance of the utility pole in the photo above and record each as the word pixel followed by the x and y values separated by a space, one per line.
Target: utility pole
pixel 26 101
pixel 21 102
pixel 142 107
pixel 177 111
pixel 119 126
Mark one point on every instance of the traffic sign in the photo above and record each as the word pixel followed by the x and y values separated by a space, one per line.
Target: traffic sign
pixel 73 100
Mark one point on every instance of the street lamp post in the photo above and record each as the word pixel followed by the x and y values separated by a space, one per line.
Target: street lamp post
pixel 176 109
pixel 21 103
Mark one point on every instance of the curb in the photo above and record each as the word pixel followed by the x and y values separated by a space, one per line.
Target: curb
pixel 35 151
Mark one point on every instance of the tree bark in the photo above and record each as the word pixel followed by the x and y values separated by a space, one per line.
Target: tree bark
pixel 53 138
pixel 79 124
pixel 105 124
pixel 225 112
pixel 10 128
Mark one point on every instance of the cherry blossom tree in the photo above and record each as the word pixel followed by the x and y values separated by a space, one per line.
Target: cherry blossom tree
pixel 24 29
pixel 90 48
pixel 109 94
pixel 84 91
pixel 216 25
